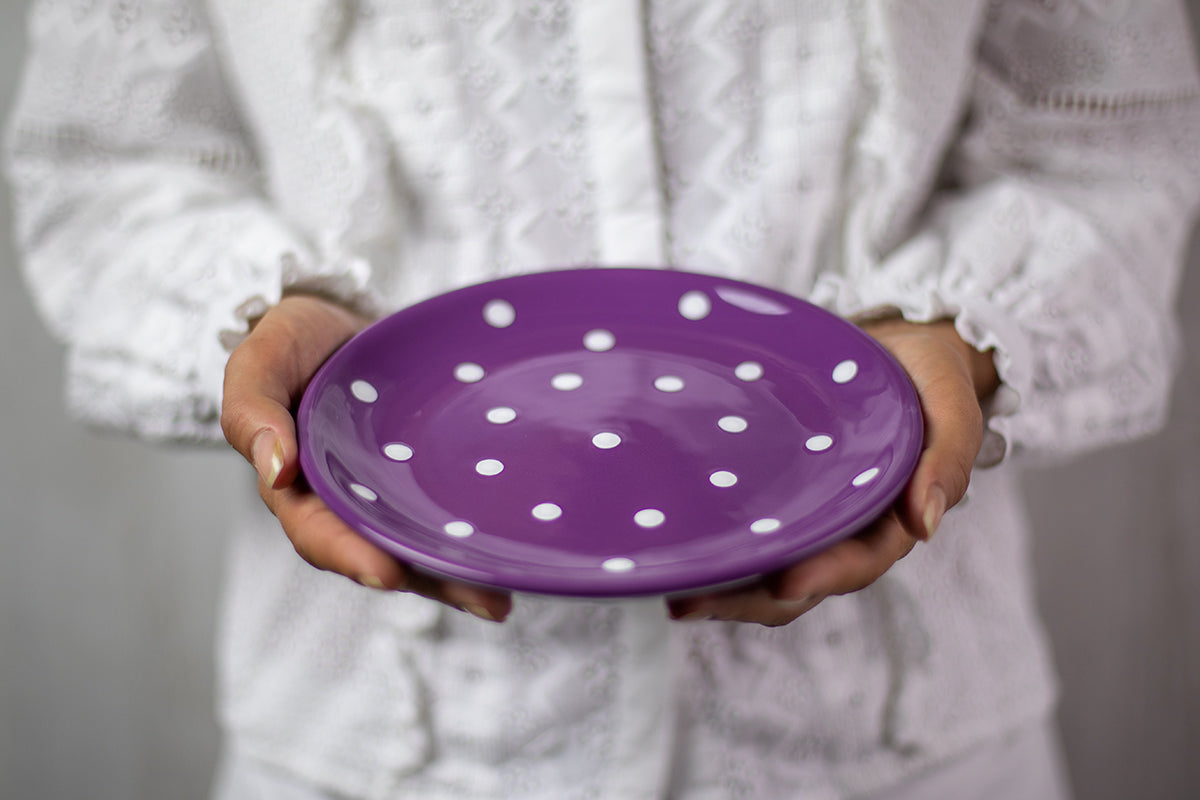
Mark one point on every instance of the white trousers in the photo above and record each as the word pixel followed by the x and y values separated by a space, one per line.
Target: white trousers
pixel 1025 766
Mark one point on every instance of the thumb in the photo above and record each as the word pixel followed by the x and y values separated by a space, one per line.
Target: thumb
pixel 267 374
pixel 953 436
pixel 256 408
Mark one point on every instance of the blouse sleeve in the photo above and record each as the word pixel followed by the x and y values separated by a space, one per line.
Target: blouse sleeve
pixel 1059 234
pixel 143 229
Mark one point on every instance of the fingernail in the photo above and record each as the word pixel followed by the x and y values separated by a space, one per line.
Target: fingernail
pixel 276 463
pixel 935 509
pixel 696 616
pixel 479 611
pixel 371 581
pixel 798 603
pixel 268 457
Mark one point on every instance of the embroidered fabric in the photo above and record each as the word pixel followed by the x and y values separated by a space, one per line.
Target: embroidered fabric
pixel 1027 167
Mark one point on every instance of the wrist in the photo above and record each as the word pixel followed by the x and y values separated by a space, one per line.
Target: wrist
pixel 979 366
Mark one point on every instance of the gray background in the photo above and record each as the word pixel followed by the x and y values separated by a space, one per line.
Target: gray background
pixel 111 565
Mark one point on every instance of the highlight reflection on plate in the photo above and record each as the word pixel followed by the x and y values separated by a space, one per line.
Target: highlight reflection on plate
pixel 609 432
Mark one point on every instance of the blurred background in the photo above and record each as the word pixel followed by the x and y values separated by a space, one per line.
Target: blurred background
pixel 110 569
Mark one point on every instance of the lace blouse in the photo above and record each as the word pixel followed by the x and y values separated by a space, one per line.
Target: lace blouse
pixel 1026 167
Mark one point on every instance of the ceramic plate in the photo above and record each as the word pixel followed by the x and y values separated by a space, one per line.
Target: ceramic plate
pixel 609 432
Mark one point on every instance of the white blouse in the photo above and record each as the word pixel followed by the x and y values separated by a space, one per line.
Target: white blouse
pixel 1028 167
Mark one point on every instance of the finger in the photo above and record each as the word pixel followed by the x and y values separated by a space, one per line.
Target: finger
pixel 953 436
pixel 486 604
pixel 322 539
pixel 847 566
pixel 755 604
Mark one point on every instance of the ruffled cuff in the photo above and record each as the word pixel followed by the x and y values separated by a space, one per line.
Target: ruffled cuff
pixel 980 326
pixel 346 282
pixel 1079 321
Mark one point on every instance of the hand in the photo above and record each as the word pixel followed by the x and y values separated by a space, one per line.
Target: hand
pixel 951 379
pixel 264 380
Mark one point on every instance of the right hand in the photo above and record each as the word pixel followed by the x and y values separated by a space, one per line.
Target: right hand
pixel 264 380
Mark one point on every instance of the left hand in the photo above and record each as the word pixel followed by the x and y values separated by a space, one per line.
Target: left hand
pixel 951 379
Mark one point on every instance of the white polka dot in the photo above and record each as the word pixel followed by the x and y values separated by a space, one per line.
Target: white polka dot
pixel 599 340
pixel 723 478
pixel 649 518
pixel 469 373
pixel 618 565
pixel 398 451
pixel 606 440
pixel 749 371
pixel 501 415
pixel 765 525
pixel 364 391
pixel 865 477
pixel 547 512
pixel 567 381
pixel 489 467
pixel 459 529
pixel 695 305
pixel 819 443
pixel 364 492
pixel 733 424
pixel 499 313
pixel 845 371
pixel 669 384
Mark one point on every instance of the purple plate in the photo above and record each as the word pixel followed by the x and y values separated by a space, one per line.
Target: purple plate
pixel 609 432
